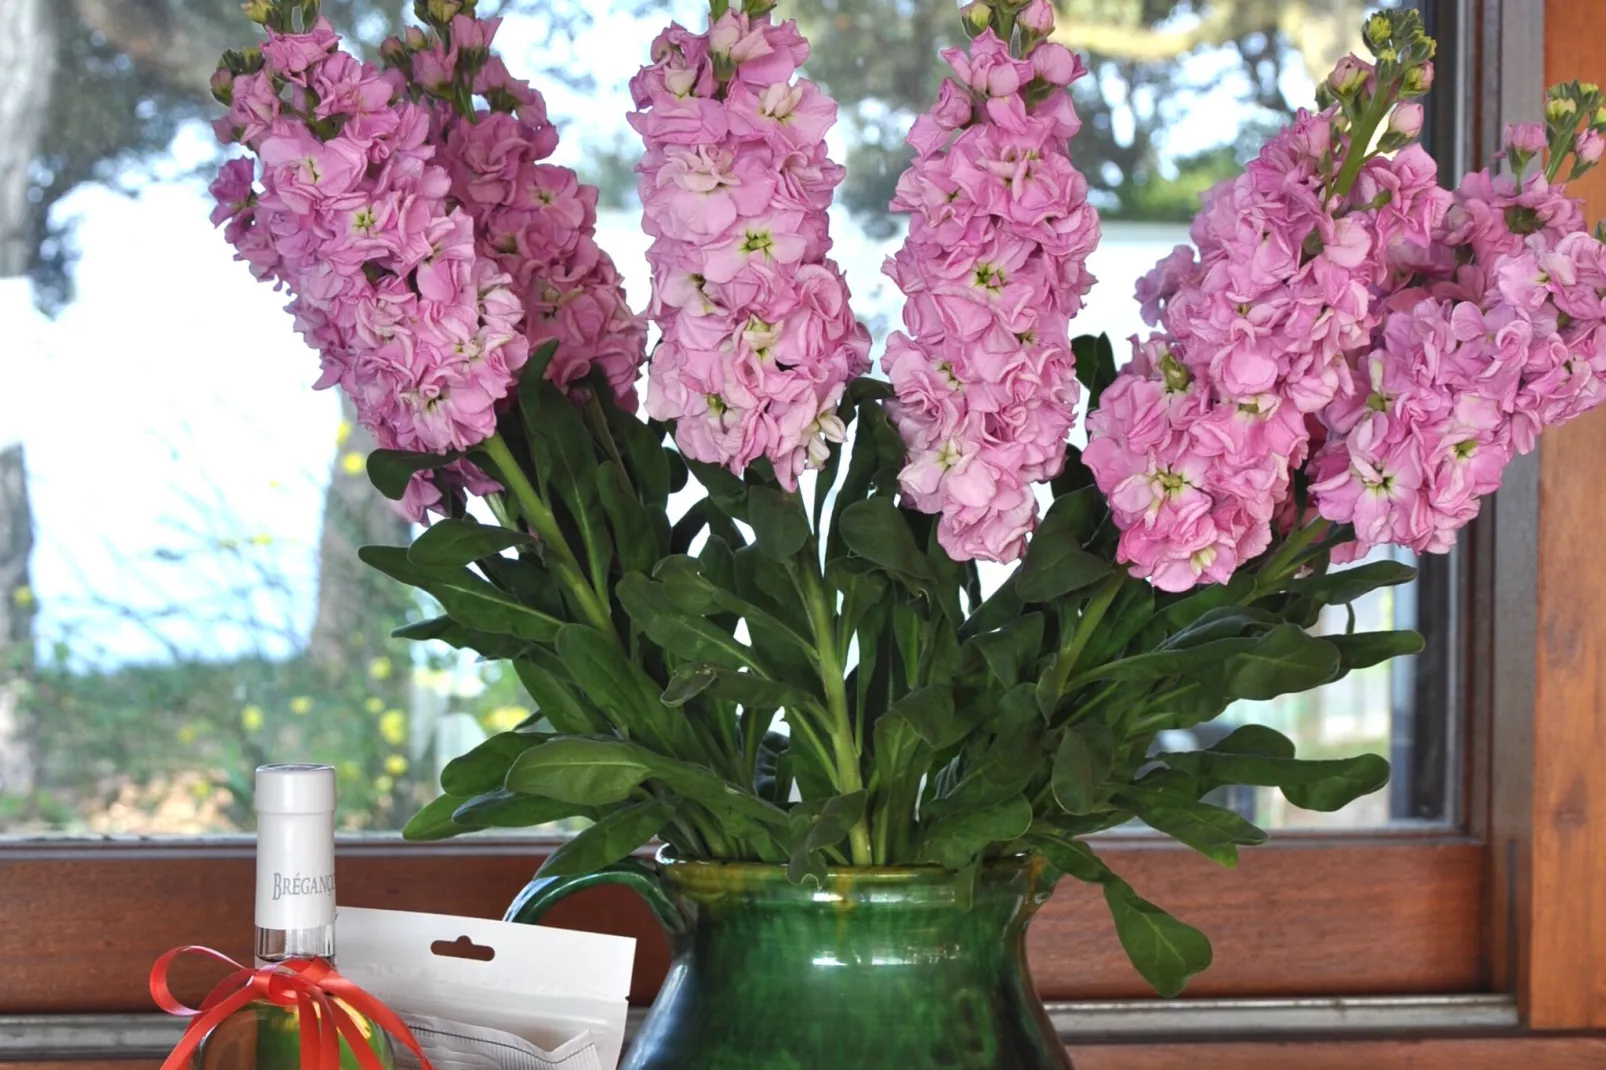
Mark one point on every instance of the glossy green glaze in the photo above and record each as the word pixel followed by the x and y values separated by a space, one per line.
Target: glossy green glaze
pixel 874 968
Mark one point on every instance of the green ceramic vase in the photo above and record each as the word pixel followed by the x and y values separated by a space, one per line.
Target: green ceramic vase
pixel 870 970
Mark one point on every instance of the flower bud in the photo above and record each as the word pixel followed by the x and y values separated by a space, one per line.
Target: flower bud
pixel 1351 73
pixel 1038 17
pixel 417 40
pixel 1406 120
pixel 1588 145
pixel 1525 139
pixel 1377 30
pixel 223 86
pixel 1418 80
pixel 258 11
pixel 977 16
pixel 443 11
pixel 393 51
pixel 1560 109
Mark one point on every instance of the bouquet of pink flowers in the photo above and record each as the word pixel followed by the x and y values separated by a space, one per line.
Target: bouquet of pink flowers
pixel 1347 357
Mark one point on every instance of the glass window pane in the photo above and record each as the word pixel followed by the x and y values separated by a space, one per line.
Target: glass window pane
pixel 179 510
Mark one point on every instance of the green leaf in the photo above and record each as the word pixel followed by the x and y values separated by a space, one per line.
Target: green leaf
pixel 1337 782
pixel 1159 664
pixel 590 772
pixel 613 837
pixel 1011 652
pixel 876 531
pixel 391 470
pixel 693 638
pixel 446 630
pixel 546 679
pixel 505 809
pixel 1222 622
pixel 929 711
pixel 1071 857
pixel 621 689
pixel 746 689
pixel 632 525
pixel 455 543
pixel 1361 650
pixel 1095 365
pixel 952 842
pixel 1286 659
pixel 1167 952
pixel 434 821
pixel 1213 831
pixel 485 767
pixel 1347 584
pixel 1254 739
pixel 1324 785
pixel 1082 763
pixel 468 599
pixel 779 526
pixel 830 827
pixel 726 491
pixel 642 446
pixel 1055 562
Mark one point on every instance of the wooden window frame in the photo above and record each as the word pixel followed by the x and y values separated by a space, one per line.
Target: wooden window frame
pixel 1514 902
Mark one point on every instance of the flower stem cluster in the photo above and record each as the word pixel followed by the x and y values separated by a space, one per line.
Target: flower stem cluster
pixel 535 221
pixel 758 339
pixel 354 218
pixel 1197 443
pixel 993 269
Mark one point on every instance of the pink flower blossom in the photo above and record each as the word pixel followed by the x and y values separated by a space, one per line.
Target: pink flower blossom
pixel 758 339
pixel 993 270
pixel 356 224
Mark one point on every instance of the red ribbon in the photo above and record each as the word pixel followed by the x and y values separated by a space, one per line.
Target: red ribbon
pixel 327 1006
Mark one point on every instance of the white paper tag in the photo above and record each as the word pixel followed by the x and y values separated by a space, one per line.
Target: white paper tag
pixel 545 986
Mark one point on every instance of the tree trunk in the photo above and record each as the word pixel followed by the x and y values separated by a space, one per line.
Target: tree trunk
pixel 357 606
pixel 16 624
pixel 27 62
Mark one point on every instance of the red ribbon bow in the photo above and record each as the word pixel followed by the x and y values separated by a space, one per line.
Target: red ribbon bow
pixel 327 1007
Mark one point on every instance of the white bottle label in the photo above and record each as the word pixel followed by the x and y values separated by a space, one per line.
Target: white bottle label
pixel 295 871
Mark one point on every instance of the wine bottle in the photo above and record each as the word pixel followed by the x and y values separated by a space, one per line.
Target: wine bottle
pixel 295 919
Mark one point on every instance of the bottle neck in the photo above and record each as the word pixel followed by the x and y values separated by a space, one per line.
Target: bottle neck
pixel 295 895
pixel 280 945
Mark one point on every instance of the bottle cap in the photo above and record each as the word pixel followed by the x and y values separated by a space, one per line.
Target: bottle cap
pixel 295 789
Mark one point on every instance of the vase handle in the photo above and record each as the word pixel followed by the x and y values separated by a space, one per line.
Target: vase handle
pixel 639 875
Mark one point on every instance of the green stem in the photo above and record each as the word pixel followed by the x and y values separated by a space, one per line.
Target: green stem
pixel 540 517
pixel 1361 140
pixel 1286 559
pixel 1071 651
pixel 834 678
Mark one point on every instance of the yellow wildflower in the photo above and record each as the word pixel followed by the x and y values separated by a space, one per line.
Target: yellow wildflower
pixel 393 727
pixel 186 733
pixel 395 765
pixel 353 463
pixel 505 718
pixel 374 704
pixel 343 432
pixel 251 718
pixel 379 668
pixel 22 597
pixel 301 705
pixel 383 784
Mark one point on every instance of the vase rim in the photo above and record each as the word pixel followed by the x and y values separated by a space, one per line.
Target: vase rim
pixel 908 874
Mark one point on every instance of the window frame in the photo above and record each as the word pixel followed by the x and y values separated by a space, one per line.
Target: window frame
pixel 1503 903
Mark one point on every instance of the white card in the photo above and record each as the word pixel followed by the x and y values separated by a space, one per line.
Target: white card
pixel 546 986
